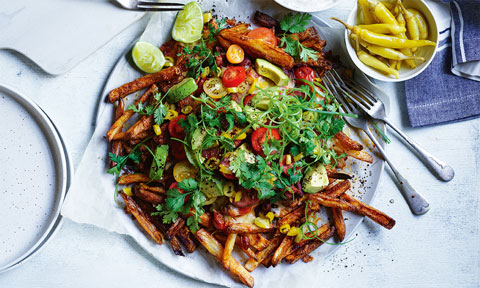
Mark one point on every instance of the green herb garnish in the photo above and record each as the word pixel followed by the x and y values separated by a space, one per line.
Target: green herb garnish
pixel 296 23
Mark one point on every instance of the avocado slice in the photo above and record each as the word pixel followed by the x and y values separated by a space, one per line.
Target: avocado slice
pixel 211 186
pixel 315 179
pixel 181 90
pixel 271 71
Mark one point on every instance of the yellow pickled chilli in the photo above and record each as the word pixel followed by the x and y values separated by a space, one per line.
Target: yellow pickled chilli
pixel 128 191
pixel 388 53
pixel 284 228
pixel 412 24
pixel 157 130
pixel 381 13
pixel 422 23
pixel 385 40
pixel 171 114
pixel 411 63
pixel 384 28
pixel 371 61
pixel 367 14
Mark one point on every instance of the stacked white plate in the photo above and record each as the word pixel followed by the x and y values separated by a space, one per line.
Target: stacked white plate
pixel 35 173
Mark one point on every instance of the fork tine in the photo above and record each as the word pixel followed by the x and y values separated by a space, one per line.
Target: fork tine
pixel 338 96
pixel 350 94
pixel 363 90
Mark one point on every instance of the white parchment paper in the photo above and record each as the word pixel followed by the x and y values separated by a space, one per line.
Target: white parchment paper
pixel 90 199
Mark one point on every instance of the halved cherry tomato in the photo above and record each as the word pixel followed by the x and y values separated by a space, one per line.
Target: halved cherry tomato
pixel 235 54
pixel 247 99
pixel 178 151
pixel 259 137
pixel 284 165
pixel 233 76
pixel 264 34
pixel 175 129
pixel 305 73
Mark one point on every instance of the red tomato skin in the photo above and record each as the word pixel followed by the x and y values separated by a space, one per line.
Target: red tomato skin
pixel 219 221
pixel 259 137
pixel 233 76
pixel 247 99
pixel 284 166
pixel 305 73
pixel 175 129
pixel 264 34
pixel 229 176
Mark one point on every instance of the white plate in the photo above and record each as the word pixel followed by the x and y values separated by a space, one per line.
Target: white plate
pixel 308 5
pixel 34 178
pixel 364 183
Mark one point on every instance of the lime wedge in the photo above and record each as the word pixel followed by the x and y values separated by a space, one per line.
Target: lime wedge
pixel 188 25
pixel 147 57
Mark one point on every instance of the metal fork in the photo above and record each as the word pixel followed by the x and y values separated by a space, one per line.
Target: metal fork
pixel 417 203
pixel 374 107
pixel 138 5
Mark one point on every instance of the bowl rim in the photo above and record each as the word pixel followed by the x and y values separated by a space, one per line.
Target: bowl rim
pixel 373 73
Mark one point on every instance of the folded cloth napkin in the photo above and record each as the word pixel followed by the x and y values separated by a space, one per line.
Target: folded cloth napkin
pixel 449 89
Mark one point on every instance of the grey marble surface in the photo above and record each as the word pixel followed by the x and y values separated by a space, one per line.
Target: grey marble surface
pixel 439 249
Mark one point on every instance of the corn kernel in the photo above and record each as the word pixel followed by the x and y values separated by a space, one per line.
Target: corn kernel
pixel 252 87
pixel 157 129
pixel 128 191
pixel 284 228
pixel 270 216
pixel 262 222
pixel 293 231
pixel 238 196
pixel 207 17
pixel 171 114
pixel 288 159
pixel 206 72
pixel 187 109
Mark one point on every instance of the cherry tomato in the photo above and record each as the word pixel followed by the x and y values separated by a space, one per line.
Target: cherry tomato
pixel 305 73
pixel 233 76
pixel 178 151
pixel 175 129
pixel 219 221
pixel 264 34
pixel 247 99
pixel 235 54
pixel 248 199
pixel 259 137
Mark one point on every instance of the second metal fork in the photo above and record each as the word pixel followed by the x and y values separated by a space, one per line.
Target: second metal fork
pixel 418 204
pixel 374 107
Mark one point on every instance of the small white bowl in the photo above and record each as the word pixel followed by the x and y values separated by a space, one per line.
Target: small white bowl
pixel 428 52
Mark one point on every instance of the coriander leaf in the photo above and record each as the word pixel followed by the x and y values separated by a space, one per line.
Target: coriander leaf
pixel 295 23
pixel 175 200
pixel 160 113
pixel 188 185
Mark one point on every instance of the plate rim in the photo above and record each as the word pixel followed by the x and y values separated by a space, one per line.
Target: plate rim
pixel 60 152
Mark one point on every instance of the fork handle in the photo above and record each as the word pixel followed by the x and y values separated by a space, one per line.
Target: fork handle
pixel 417 203
pixel 441 169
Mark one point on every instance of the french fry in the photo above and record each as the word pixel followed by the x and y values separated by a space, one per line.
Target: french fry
pixel 338 175
pixel 175 244
pixel 118 124
pixel 360 155
pixel 143 82
pixel 257 241
pixel 372 213
pixel 210 243
pixel 176 226
pixel 247 228
pixel 133 178
pixel 144 124
pixel 148 196
pixel 307 258
pixel 252 264
pixel 282 250
pixel 142 219
pixel 312 245
pixel 293 247
pixel 185 237
pixel 339 223
pixel 347 142
pixel 205 219
pixel 292 217
pixel 153 189
pixel 332 202
pixel 338 189
pixel 232 265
